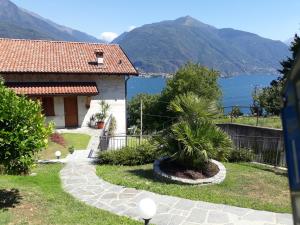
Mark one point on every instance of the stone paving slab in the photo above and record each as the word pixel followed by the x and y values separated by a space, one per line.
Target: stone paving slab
pixel 80 180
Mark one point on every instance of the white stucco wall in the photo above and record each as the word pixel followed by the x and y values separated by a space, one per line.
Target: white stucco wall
pixel 112 90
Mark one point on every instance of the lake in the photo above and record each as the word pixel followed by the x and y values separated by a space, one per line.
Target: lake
pixel 236 90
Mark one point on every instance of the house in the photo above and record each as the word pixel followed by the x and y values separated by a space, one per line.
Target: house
pixel 69 78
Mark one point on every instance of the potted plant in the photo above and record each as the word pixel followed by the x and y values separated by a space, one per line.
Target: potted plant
pixel 101 116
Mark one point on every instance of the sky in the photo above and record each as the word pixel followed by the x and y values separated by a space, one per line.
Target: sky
pixel 274 19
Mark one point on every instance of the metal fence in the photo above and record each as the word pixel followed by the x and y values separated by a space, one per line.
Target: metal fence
pixel 118 142
pixel 266 150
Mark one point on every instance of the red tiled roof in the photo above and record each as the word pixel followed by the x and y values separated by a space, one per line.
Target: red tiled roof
pixel 61 57
pixel 53 88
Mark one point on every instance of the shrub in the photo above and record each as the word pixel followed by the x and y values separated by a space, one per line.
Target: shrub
pixel 240 155
pixel 71 149
pixel 22 131
pixel 130 156
pixel 58 139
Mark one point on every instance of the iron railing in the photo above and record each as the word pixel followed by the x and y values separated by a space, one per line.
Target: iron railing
pixel 117 142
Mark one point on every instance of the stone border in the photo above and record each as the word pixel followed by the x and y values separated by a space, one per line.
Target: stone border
pixel 52 161
pixel 217 179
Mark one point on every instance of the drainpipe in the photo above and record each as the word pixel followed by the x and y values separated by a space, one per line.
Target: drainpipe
pixel 126 79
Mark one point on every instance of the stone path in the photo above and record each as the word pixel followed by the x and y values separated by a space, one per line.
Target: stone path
pixel 80 180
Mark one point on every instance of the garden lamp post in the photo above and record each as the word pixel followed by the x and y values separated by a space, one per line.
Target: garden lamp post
pixel 57 154
pixel 147 209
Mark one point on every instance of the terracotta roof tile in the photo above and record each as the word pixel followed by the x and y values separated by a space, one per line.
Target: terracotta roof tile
pixel 54 88
pixel 18 55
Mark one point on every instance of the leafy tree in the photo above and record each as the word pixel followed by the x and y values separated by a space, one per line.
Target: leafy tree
pixel 22 131
pixel 149 105
pixel 236 111
pixel 269 98
pixel 191 78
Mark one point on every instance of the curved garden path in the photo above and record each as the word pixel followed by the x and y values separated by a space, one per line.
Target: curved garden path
pixel 80 180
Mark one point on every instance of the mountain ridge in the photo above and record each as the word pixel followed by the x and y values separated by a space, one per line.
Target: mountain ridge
pixel 29 25
pixel 166 45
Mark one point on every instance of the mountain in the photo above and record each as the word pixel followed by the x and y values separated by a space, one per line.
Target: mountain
pixel 164 46
pixel 16 22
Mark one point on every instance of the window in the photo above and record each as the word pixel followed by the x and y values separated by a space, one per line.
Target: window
pixel 48 106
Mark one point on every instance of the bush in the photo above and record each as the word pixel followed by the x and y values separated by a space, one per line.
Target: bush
pixel 71 149
pixel 22 131
pixel 131 156
pixel 240 155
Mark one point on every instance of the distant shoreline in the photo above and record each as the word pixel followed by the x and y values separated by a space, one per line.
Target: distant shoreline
pixel 170 75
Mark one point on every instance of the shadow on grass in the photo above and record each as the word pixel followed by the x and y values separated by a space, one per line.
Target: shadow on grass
pixel 149 175
pixel 9 198
pixel 267 169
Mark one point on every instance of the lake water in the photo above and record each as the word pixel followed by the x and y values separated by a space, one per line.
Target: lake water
pixel 236 90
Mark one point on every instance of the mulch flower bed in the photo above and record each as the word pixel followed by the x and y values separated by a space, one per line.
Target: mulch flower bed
pixel 58 139
pixel 174 169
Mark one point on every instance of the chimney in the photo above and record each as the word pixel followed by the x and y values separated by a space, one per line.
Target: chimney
pixel 99 56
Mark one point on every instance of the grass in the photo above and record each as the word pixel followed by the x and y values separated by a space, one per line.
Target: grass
pixel 272 122
pixel 79 141
pixel 246 185
pixel 40 200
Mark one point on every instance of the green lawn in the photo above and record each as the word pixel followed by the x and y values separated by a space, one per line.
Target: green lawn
pixel 40 199
pixel 272 122
pixel 79 141
pixel 246 185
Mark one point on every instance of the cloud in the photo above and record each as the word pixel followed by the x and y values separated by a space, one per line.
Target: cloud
pixel 108 36
pixel 130 28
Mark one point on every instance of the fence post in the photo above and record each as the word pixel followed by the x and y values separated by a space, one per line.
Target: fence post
pixel 257 116
pixel 231 114
pixel 141 118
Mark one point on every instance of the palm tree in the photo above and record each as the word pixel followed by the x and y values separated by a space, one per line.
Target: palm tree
pixel 194 139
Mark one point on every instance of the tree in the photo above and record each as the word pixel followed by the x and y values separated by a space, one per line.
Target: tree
pixel 269 98
pixel 190 78
pixel 236 112
pixel 22 131
pixel 149 105
pixel 193 78
pixel 194 139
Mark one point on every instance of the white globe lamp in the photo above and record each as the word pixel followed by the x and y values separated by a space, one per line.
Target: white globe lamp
pixel 147 209
pixel 57 154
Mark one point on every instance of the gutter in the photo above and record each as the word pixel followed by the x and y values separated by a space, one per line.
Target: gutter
pixel 126 116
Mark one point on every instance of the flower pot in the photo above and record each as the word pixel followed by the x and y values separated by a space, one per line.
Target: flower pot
pixel 100 124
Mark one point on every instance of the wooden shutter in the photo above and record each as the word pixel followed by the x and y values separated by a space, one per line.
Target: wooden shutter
pixel 48 106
